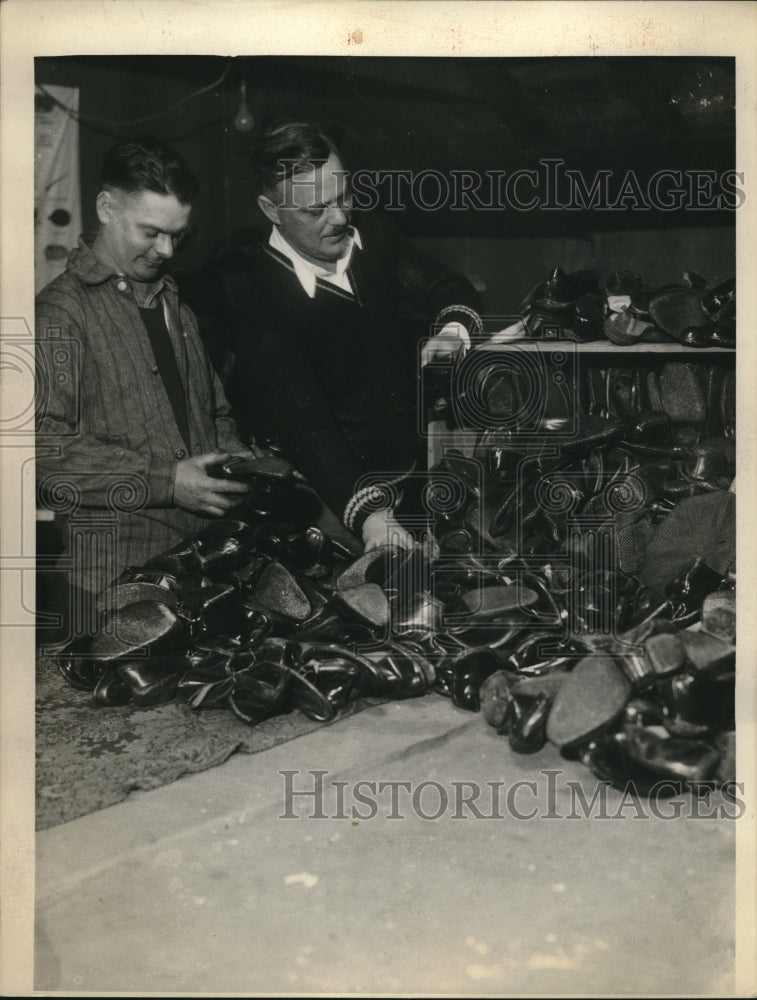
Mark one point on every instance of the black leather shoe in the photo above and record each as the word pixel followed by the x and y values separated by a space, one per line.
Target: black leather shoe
pixel 112 689
pixel 309 699
pixel 561 289
pixel 338 674
pixel 525 722
pixel 495 602
pixel 312 553
pixel 399 673
pixel 711 461
pixel 409 582
pixel 590 700
pixel 696 706
pixel 279 595
pixel 683 596
pixel 686 760
pixel 77 665
pixel 469 672
pixel 153 681
pixel 445 675
pixel 638 425
pixel 366 604
pixel 272 537
pixel 723 335
pixel 377 566
pixel 715 300
pixel 222 546
pixel 587 322
pixel 680 489
pixel 609 760
pixel 666 653
pixel 333 628
pixel 145 574
pixel 675 309
pixel 261 690
pixel 456 541
pixel 423 616
pixel 209 680
pixel 697 336
pixel 707 654
pixel 603 601
pixel 719 615
pixel 686 593
pixel 639 670
pixel 643 711
pixel 271 481
pixel 309 551
pixel 174 563
pixel 255 627
pixel 500 635
pixel 210 608
pixel 538 649
pixel 138 627
pixel 129 592
pixel 495 694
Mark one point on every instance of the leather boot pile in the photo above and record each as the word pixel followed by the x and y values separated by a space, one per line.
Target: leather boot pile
pixel 529 608
pixel 261 619
pixel 251 614
pixel 620 680
pixel 626 311
pixel 654 707
pixel 240 617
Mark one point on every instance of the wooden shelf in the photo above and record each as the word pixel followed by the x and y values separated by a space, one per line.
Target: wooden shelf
pixel 606 347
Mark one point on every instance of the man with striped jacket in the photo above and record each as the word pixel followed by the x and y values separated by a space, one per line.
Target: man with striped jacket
pixel 130 413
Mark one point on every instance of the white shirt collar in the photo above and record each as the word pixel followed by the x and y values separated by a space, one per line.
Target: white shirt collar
pixel 307 272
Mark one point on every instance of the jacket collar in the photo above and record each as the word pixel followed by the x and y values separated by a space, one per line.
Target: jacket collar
pixel 90 270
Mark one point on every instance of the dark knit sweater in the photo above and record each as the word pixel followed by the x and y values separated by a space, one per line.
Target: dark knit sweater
pixel 334 379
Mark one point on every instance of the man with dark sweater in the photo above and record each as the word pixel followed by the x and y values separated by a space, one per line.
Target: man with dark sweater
pixel 328 322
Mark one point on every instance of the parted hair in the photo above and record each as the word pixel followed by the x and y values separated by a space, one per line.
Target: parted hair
pixel 287 148
pixel 147 164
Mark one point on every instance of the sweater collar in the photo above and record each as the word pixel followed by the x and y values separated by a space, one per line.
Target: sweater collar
pixel 307 272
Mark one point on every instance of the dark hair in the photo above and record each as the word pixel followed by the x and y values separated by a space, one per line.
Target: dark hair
pixel 148 165
pixel 288 148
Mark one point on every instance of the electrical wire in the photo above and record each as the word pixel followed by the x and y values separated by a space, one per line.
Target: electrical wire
pixel 95 120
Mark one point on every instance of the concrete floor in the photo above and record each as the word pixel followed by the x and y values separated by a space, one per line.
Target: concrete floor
pixel 202 887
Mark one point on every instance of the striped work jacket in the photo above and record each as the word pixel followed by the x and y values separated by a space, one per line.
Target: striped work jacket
pixel 107 442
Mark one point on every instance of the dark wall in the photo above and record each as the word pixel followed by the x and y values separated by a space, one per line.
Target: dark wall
pixel 110 98
pixel 505 269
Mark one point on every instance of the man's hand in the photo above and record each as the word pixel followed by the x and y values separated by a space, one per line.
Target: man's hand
pixel 195 490
pixel 450 341
pixel 381 528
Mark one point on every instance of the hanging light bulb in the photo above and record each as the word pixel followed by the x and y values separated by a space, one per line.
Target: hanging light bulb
pixel 243 120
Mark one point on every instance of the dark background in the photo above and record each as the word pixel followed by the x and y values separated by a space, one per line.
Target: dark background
pixel 417 114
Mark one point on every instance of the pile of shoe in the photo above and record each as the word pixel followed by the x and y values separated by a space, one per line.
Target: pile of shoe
pixel 652 710
pixel 625 311
pixel 261 618
pixel 627 446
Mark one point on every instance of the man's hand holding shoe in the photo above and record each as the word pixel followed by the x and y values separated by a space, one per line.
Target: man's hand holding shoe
pixel 196 490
